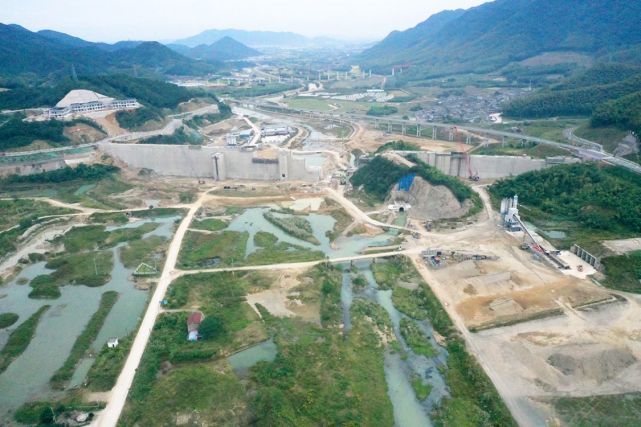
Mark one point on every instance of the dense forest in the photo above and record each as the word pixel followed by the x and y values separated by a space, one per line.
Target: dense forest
pixel 379 175
pixel 150 92
pixel 381 110
pixel 15 132
pixel 135 119
pixel 624 113
pixel 573 101
pixel 598 197
pixel 81 172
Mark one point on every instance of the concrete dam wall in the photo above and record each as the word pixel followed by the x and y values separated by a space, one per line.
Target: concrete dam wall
pixel 487 167
pixel 220 163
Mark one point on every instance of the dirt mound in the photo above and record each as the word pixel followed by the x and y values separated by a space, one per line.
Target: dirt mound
pixel 430 202
pixel 597 363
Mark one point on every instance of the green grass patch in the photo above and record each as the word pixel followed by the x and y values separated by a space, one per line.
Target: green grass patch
pixel 42 413
pixel 343 219
pixel 150 250
pixel 387 273
pixel 295 226
pixel 202 392
pixel 398 146
pixel 271 251
pixel 69 186
pixel 623 272
pixel 62 376
pixel 210 224
pixel 382 110
pixel 415 338
pixel 421 390
pixel 93 237
pixel 199 249
pixel 104 371
pixel 24 212
pixel 515 148
pixel 330 280
pixel 90 269
pixel 318 378
pixel 8 319
pixel 20 338
pixel 410 302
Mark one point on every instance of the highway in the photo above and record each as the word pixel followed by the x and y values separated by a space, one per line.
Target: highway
pixel 587 150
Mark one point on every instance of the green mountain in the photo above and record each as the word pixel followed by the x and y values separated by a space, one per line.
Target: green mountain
pixel 249 38
pixel 580 95
pixel 490 36
pixel 225 49
pixel 51 54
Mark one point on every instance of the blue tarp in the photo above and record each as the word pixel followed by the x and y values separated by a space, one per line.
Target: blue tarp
pixel 406 182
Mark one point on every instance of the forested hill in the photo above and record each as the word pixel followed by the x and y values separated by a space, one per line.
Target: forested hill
pixel 497 33
pixel 150 92
pixel 611 93
pixel 30 55
pixel 225 49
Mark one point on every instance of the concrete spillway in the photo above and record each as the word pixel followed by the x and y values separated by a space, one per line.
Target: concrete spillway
pixel 220 163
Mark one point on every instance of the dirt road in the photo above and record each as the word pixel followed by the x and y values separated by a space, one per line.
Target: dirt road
pixel 109 416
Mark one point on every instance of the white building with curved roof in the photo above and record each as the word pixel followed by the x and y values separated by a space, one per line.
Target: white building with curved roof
pixel 82 101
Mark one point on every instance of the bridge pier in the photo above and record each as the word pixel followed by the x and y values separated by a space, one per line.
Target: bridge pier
pixel 434 133
pixel 468 140
pixel 403 129
pixel 389 127
pixel 418 130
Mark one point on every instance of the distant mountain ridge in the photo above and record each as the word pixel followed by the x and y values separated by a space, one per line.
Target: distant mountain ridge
pixel 254 39
pixel 225 49
pixel 49 54
pixel 494 34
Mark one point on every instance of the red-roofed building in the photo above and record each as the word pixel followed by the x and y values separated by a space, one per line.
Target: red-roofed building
pixel 193 322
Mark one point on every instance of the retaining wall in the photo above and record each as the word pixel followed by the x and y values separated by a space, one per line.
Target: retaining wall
pixel 487 167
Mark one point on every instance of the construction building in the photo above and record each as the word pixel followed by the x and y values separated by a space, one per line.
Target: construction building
pixel 510 213
pixel 267 131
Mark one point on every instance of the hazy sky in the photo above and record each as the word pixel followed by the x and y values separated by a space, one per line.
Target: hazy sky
pixel 113 20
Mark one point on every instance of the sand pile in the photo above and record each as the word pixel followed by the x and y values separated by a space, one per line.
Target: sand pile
pixel 592 362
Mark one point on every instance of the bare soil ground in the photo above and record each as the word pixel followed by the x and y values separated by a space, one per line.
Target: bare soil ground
pixel 110 124
pixel 516 287
pixel 370 140
pixel 83 134
pixel 624 246
pixel 283 298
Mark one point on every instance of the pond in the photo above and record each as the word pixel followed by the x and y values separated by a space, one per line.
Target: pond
pixel 27 378
pixel 253 221
pixel 245 359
